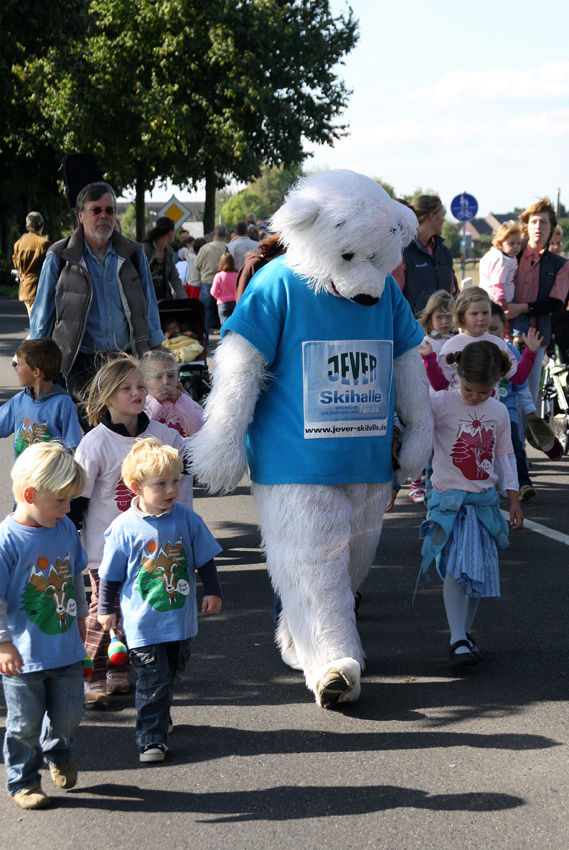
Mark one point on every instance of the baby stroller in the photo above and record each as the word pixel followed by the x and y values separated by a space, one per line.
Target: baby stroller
pixel 190 315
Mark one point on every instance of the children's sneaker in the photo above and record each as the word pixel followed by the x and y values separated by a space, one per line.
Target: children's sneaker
pixel 31 798
pixel 417 493
pixel 526 492
pixel 64 775
pixel 153 752
pixel 96 697
pixel 117 682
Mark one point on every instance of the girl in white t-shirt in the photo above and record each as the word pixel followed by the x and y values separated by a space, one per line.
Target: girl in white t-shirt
pixel 473 456
pixel 115 409
pixel 472 312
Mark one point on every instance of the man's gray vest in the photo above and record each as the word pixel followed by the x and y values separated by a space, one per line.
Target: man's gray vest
pixel 74 293
pixel 425 275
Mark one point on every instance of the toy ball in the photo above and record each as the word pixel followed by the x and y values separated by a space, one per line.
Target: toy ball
pixel 117 651
pixel 87 666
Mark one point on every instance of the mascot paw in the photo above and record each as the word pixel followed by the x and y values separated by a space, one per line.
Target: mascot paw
pixel 340 682
pixel 290 657
pixel 414 454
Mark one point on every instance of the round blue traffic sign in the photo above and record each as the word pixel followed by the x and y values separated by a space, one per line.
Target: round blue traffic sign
pixel 464 207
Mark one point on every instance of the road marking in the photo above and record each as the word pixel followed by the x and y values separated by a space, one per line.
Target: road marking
pixel 542 529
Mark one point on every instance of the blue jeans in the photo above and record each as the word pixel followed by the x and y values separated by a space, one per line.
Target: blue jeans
pixel 225 309
pixel 210 305
pixel 158 668
pixel 44 710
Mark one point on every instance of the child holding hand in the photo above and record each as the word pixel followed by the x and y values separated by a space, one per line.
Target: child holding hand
pixel 42 622
pixel 473 458
pixel 151 554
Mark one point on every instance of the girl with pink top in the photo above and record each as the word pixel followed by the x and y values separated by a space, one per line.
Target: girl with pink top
pixel 499 266
pixel 473 460
pixel 223 287
pixel 165 401
pixel 436 321
pixel 472 312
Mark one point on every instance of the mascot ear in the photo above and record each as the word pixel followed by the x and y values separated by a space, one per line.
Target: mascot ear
pixel 298 211
pixel 407 223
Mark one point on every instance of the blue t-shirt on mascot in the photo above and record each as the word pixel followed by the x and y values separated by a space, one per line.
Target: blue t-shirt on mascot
pixel 326 416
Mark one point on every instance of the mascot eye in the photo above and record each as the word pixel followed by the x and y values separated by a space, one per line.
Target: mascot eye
pixel 393 230
pixel 347 256
pixel 372 256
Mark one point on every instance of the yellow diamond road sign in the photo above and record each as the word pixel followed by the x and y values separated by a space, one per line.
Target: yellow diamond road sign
pixel 175 210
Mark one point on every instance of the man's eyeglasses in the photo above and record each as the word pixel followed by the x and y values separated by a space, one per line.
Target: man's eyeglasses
pixel 98 210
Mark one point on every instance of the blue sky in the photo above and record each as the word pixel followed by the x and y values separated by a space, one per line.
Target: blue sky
pixel 455 96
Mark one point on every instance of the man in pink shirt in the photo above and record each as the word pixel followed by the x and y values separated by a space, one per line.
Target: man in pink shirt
pixel 542 282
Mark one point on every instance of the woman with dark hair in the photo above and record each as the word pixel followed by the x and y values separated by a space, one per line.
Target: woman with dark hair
pixel 427 262
pixel 157 247
pixel 268 249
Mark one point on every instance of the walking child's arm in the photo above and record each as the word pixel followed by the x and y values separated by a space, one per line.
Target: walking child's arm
pixel 516 515
pixel 211 602
pixel 532 342
pixel 11 663
pixel 434 372
pixel 106 608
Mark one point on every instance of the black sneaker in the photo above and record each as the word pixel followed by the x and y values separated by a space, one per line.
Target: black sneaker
pixel 153 752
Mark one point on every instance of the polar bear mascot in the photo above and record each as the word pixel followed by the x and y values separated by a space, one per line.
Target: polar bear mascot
pixel 319 351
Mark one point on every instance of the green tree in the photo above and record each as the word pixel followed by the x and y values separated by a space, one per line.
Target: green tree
pixel 128 221
pixel 387 186
pixel 263 196
pixel 564 225
pixel 452 236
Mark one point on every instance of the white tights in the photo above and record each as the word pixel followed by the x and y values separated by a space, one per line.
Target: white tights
pixel 460 610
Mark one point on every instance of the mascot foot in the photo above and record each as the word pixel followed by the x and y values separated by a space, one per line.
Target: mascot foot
pixel 340 682
pixel 290 657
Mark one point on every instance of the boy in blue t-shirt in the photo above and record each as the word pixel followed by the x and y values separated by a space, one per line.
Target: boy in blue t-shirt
pixel 42 622
pixel 152 552
pixel 43 411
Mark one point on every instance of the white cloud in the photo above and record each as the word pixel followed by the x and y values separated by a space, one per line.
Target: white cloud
pixel 549 81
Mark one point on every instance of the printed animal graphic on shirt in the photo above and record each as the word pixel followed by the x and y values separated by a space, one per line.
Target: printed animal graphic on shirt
pixel 49 596
pixel 123 496
pixel 31 433
pixel 174 421
pixel 473 450
pixel 163 579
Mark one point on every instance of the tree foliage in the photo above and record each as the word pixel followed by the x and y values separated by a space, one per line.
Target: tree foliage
pixel 263 196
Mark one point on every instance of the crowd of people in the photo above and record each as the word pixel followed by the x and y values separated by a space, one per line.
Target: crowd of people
pixel 102 483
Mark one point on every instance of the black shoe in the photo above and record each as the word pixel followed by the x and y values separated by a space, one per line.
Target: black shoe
pixel 153 752
pixel 462 659
pixel 474 648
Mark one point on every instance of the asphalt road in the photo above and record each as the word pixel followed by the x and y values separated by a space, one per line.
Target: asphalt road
pixel 425 759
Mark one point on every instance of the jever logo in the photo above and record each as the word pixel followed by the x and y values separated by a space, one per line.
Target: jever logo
pixel 352 368
pixel 49 596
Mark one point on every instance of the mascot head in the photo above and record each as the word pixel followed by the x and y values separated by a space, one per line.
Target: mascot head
pixel 343 232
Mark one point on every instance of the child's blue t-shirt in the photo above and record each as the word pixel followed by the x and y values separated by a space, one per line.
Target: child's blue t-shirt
pixel 38 567
pixel 50 416
pixel 326 415
pixel 155 558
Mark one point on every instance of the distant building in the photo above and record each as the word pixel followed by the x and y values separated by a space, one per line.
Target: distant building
pixel 488 226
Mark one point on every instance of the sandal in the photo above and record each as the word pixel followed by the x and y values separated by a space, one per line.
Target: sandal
pixel 461 659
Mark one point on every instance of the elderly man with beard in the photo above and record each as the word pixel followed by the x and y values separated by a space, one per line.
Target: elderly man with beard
pixel 95 292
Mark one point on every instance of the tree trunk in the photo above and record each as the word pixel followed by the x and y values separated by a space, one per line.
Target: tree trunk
pixel 210 190
pixel 140 188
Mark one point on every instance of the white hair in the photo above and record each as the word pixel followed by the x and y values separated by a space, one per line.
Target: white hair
pixel 342 227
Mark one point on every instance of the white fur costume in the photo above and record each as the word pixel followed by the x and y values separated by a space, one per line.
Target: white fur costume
pixel 343 236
